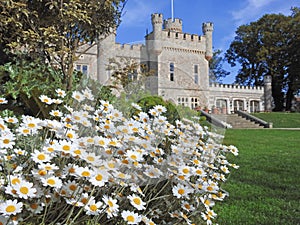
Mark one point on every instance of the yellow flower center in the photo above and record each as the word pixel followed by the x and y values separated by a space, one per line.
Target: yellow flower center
pixel 181 191
pixel 110 203
pixel 10 208
pixel 85 174
pixel 24 190
pixel 66 148
pixel 31 125
pixel 93 208
pixel 99 177
pixel 90 158
pixel 41 157
pixel 51 181
pixel 185 170
pixel 15 181
pixel 6 141
pixel 137 201
pixel 130 218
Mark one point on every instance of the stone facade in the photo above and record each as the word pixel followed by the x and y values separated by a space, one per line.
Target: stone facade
pixel 181 66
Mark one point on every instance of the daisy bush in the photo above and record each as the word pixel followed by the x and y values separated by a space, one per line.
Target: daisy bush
pixel 90 163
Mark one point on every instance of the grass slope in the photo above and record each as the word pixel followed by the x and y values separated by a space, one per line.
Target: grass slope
pixel 281 119
pixel 265 189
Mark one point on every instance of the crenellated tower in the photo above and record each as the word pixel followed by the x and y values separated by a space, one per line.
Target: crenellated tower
pixel 207 29
pixel 173 25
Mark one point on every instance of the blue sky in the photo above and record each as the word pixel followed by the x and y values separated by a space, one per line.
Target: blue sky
pixel 227 16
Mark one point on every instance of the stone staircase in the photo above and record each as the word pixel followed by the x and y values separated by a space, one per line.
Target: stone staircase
pixel 236 121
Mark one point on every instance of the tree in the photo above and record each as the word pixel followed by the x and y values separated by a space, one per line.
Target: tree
pixel 216 71
pixel 53 30
pixel 264 48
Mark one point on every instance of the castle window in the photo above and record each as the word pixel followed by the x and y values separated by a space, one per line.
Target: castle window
pixel 82 68
pixel 171 71
pixel 196 76
pixel 194 102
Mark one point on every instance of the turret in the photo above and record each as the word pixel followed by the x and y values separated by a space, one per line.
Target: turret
pixel 154 44
pixel 207 29
pixel 175 26
pixel 157 21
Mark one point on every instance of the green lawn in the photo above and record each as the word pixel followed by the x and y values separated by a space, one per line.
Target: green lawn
pixel 281 119
pixel 266 187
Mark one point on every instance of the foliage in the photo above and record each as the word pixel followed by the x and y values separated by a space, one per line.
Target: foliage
pixel 216 71
pixel 267 190
pixel 89 164
pixel 149 102
pixel 269 46
pixel 54 30
pixel 23 81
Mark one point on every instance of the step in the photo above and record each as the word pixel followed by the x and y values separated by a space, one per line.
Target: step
pixel 236 121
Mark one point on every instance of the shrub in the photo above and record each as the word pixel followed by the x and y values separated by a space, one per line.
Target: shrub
pixel 90 164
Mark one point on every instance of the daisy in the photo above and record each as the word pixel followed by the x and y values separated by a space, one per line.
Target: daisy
pixel 61 93
pixel 10 207
pixel 153 172
pixel 93 207
pixel 56 113
pixel 3 101
pixel 136 106
pixel 91 158
pixel 99 177
pixel 48 166
pixel 225 169
pixel 134 156
pixel 34 207
pixel 11 120
pixel 51 181
pixel 148 221
pixel 160 109
pixel 137 202
pixel 20 152
pixel 84 172
pixel 46 99
pixel 78 96
pixel 3 127
pixel 7 140
pixel 40 157
pixel 187 206
pixel 112 205
pixel 185 170
pixel 207 202
pixel 65 146
pixel 57 101
pixel 131 217
pixel 88 94
pixel 25 190
pixel 180 191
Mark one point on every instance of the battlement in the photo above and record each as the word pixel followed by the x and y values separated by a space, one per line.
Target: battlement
pixel 235 87
pixel 182 36
pixel 128 47
pixel 157 18
pixel 173 25
pixel 207 27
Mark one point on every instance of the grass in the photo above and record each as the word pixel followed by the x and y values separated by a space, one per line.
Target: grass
pixel 265 189
pixel 281 119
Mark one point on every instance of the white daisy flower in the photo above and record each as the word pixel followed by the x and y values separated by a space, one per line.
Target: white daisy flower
pixel 40 157
pixel 136 106
pixel 46 99
pixel 112 206
pixel 56 113
pixel 99 178
pixel 137 202
pixel 7 140
pixel 3 101
pixel 11 120
pixel 84 172
pixel 180 191
pixel 51 181
pixel 131 217
pixel 9 207
pixel 93 207
pixel 25 190
pixel 61 93
pixel 78 96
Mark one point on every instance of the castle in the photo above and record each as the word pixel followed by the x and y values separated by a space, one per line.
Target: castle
pixel 181 65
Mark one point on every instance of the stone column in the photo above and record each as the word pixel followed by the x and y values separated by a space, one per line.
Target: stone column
pixel 268 93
